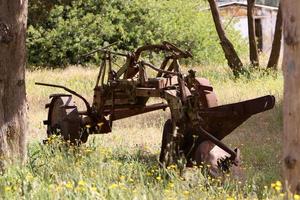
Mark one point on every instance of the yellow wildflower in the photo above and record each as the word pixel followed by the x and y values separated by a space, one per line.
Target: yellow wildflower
pixel 112 186
pixel 229 198
pixel 171 185
pixel 7 188
pixel 88 151
pixel 277 188
pixel 278 183
pixel 94 189
pixel 296 196
pixel 29 177
pixel 69 185
pixel 173 166
pixel 158 178
pixel 186 192
pixel 149 174
pixel 281 194
pixel 122 177
pixel 58 188
pixel 81 183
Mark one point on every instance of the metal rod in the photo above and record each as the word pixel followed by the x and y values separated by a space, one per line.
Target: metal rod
pixel 159 70
pixel 218 143
pixel 97 50
pixel 163 66
pixel 100 71
pixel 104 69
pixel 68 90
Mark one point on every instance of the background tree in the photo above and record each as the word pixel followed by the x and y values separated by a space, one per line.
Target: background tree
pixel 291 105
pixel 251 33
pixel 13 20
pixel 276 46
pixel 233 59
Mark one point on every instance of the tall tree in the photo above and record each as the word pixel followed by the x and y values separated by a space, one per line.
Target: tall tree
pixel 233 59
pixel 291 103
pixel 251 32
pixel 13 21
pixel 276 46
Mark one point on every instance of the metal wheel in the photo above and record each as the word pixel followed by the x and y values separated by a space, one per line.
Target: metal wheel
pixel 166 137
pixel 63 119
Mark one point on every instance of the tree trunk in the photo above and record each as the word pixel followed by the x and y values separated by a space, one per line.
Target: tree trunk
pixel 13 22
pixel 291 103
pixel 251 32
pixel 234 61
pixel 276 46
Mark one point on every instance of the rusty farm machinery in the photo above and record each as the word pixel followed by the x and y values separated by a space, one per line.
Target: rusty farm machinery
pixel 197 123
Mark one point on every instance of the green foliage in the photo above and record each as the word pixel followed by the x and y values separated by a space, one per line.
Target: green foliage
pixel 74 28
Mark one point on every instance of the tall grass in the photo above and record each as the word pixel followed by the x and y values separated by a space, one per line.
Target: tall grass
pixel 123 164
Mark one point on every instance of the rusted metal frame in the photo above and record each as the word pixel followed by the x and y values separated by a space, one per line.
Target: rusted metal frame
pixel 110 79
pixel 157 47
pixel 147 92
pixel 125 67
pixel 176 109
pixel 157 69
pixel 104 69
pixel 181 82
pixel 100 70
pixel 113 52
pixel 163 65
pixel 166 46
pixel 183 54
pixel 121 113
pixel 112 112
pixel 109 65
pixel 88 107
pixel 142 74
pixel 170 68
pixel 97 50
pixel 241 109
pixel 131 69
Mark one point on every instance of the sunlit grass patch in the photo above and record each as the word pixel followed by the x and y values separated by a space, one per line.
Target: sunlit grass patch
pixel 57 170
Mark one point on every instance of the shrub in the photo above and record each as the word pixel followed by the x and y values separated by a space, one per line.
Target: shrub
pixel 74 28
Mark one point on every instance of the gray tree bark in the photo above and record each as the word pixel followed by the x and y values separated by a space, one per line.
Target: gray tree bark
pixel 276 46
pixel 233 59
pixel 291 104
pixel 13 22
pixel 251 32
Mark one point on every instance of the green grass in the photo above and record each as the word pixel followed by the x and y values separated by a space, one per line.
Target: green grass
pixel 123 164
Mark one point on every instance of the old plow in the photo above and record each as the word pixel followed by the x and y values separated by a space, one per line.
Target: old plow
pixel 197 123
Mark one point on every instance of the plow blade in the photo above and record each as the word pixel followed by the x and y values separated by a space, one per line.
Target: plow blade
pixel 220 121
